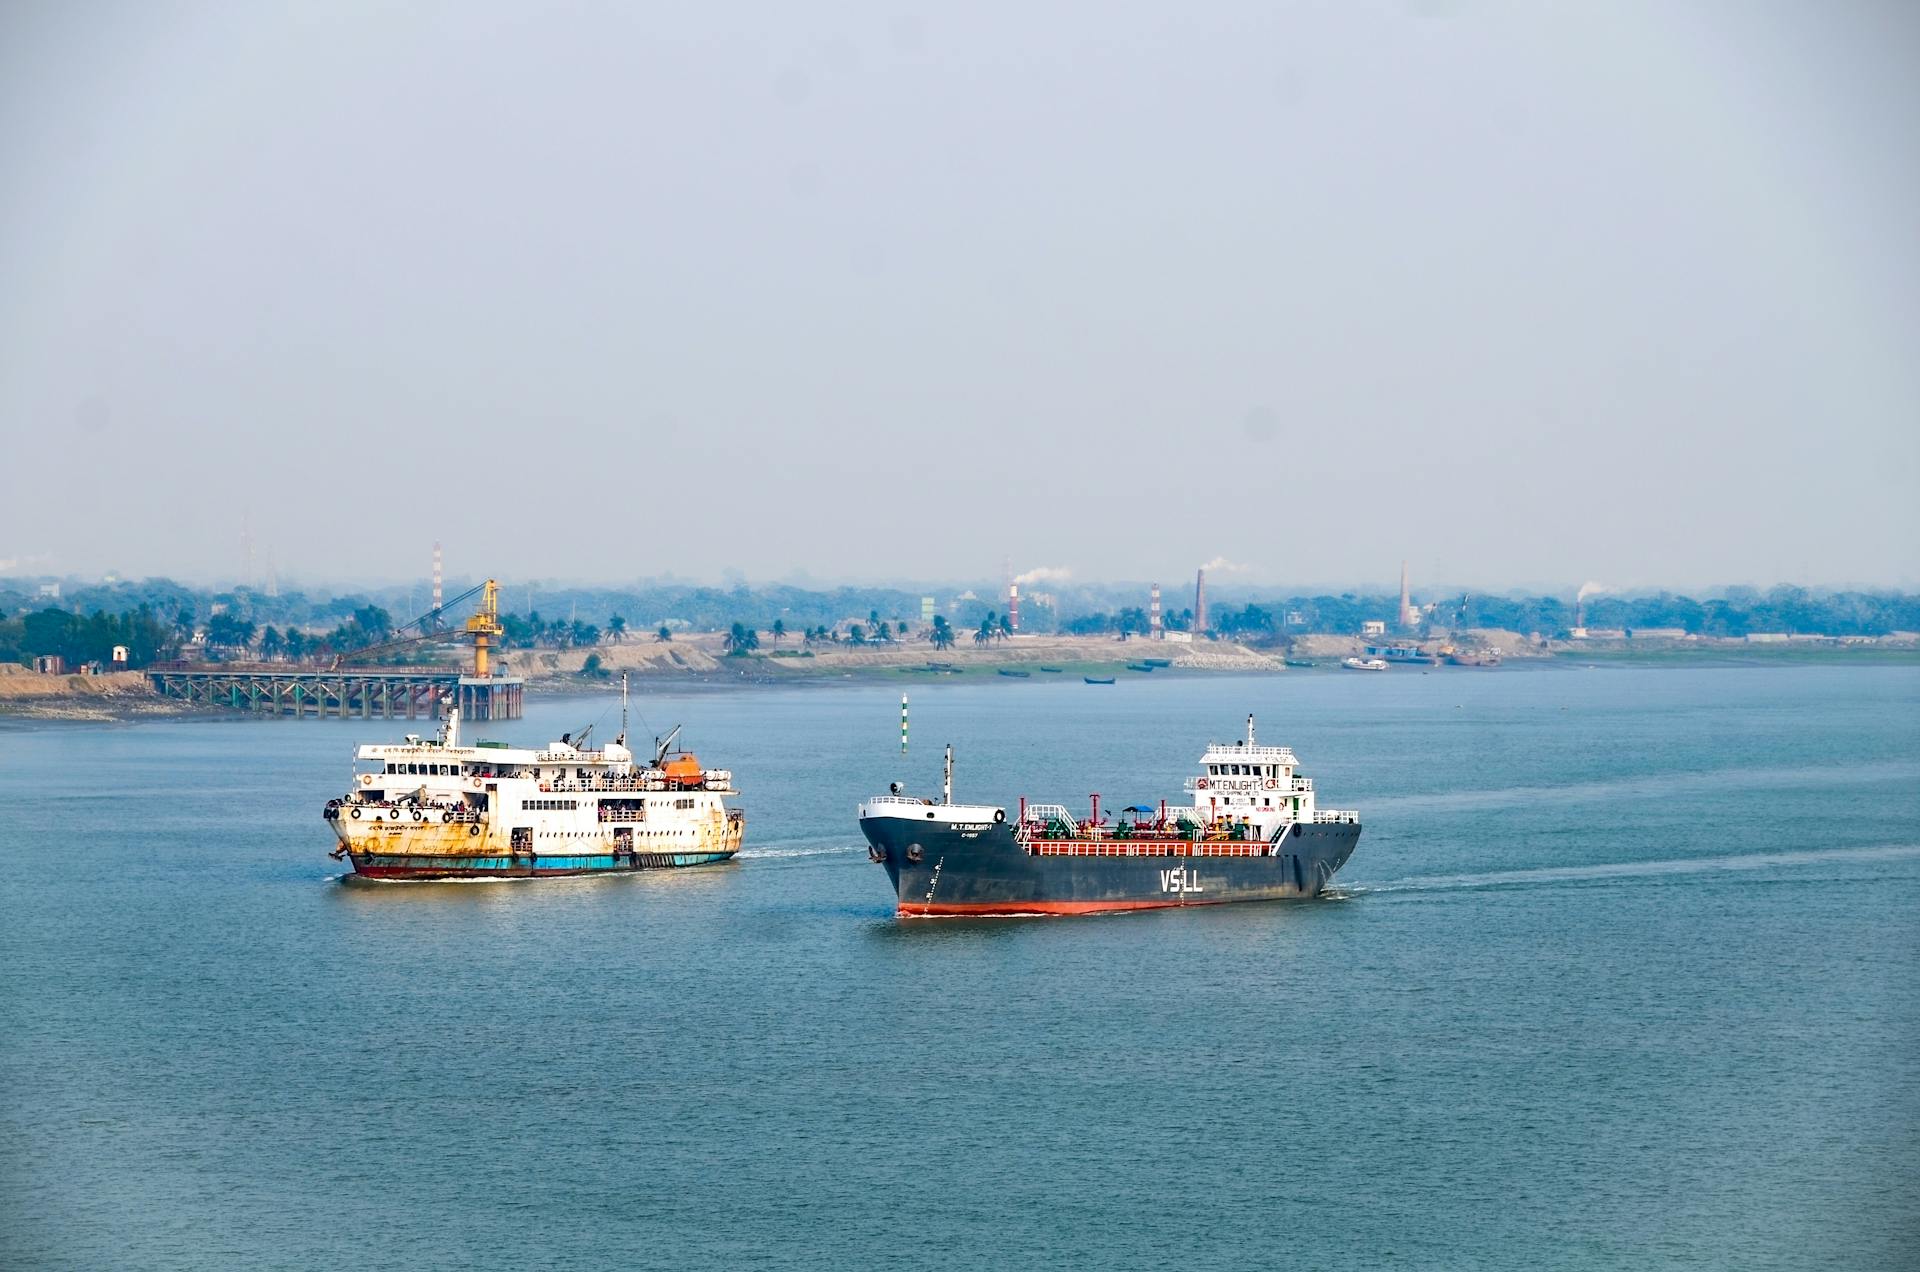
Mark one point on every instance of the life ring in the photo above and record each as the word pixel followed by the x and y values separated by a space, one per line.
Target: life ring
pixel 418 815
pixel 999 814
pixel 1200 785
pixel 472 831
pixel 476 783
pixel 393 814
pixel 1273 783
pixel 446 816
pixel 366 779
pixel 356 814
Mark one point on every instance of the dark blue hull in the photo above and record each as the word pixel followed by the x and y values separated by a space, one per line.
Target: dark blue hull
pixel 961 870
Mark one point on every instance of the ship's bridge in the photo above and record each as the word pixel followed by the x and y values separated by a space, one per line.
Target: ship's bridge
pixel 1244 778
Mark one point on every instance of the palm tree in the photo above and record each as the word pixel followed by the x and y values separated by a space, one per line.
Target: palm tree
pixel 942 633
pixel 664 635
pixel 271 644
pixel 983 634
pixel 742 640
pixel 1006 627
pixel 856 635
pixel 617 628
pixel 884 635
pixel 779 630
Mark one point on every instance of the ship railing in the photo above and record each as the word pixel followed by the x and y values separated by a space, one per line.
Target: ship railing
pixel 1240 753
pixel 718 780
pixel 1158 847
pixel 622 816
pixel 898 799
pixel 1337 816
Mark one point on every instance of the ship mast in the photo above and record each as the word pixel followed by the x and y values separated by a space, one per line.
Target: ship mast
pixel 1249 730
pixel 946 781
pixel 623 708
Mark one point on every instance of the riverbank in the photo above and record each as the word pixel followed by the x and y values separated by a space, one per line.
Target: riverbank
pixel 119 695
pixel 702 661
pixel 705 658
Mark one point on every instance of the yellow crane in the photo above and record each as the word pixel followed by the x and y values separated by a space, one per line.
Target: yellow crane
pixel 485 628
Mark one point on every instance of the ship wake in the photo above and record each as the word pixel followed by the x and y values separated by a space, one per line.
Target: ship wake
pixel 1554 875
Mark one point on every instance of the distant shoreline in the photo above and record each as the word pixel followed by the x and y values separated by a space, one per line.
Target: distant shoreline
pixel 124 697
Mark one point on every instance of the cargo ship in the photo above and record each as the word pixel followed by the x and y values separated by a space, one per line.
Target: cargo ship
pixel 441 809
pixel 1252 833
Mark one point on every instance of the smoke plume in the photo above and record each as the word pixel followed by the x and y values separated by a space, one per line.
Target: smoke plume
pixel 1221 565
pixel 1590 589
pixel 1044 574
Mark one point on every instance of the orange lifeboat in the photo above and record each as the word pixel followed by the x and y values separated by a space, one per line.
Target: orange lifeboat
pixel 683 771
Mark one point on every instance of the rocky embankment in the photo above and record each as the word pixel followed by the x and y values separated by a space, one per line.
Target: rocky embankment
pixel 27 694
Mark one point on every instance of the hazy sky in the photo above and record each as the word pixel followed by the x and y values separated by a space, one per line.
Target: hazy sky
pixel 1525 293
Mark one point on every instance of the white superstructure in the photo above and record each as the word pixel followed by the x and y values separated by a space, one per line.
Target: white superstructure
pixel 1258 785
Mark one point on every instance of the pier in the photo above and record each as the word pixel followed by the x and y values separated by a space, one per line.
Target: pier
pixel 385 693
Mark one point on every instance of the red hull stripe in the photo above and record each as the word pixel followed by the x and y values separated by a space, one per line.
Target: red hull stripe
pixel 909 909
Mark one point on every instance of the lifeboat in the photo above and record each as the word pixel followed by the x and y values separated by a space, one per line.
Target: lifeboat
pixel 683 771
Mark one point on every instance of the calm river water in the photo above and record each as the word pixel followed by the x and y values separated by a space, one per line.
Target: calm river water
pixel 1625 973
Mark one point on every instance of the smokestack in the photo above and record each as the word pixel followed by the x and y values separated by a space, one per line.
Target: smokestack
pixel 1200 601
pixel 1013 606
pixel 436 574
pixel 1406 604
pixel 1153 615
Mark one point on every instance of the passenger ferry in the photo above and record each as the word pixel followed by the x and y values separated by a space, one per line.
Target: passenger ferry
pixel 444 809
pixel 1252 833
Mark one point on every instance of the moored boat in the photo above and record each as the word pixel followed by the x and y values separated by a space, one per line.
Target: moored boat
pixel 443 809
pixel 1403 654
pixel 1098 680
pixel 1364 664
pixel 1252 833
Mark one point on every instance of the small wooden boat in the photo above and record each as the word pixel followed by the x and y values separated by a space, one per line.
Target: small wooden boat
pixel 1158 662
pixel 1020 675
pixel 1364 664
pixel 1054 670
pixel 1301 662
pixel 1097 680
pixel 1139 667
